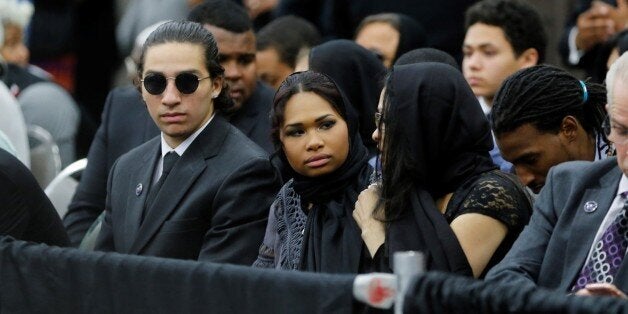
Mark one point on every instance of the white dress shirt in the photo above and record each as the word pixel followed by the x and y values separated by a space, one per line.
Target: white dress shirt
pixel 179 150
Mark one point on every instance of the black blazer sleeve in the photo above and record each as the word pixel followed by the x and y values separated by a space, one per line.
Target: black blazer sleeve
pixel 105 241
pixel 89 199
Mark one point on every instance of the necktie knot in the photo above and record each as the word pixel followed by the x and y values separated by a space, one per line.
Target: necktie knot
pixel 169 160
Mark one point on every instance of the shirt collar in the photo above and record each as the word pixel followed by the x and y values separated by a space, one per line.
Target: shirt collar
pixel 602 149
pixel 485 107
pixel 623 185
pixel 165 148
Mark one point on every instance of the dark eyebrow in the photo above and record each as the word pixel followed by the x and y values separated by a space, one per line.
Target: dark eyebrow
pixel 481 46
pixel 524 157
pixel 323 117
pixel 192 71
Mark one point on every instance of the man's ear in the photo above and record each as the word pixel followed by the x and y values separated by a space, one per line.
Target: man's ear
pixel 217 84
pixel 569 128
pixel 528 58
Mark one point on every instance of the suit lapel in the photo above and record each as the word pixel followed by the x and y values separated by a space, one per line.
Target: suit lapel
pixel 135 203
pixel 585 225
pixel 180 180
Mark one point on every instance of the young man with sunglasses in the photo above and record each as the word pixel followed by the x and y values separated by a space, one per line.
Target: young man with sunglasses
pixel 126 123
pixel 577 237
pixel 202 189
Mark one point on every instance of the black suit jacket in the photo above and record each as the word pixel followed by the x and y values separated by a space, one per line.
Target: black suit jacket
pixel 26 213
pixel 213 205
pixel 589 61
pixel 253 119
pixel 125 125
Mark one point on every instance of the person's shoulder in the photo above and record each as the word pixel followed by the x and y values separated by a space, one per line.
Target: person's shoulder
pixel 496 194
pixel 127 90
pixel 121 102
pixel 125 95
pixel 583 170
pixel 573 177
pixel 10 165
pixel 239 146
pixel 14 174
pixel 263 94
pixel 139 153
pixel 499 178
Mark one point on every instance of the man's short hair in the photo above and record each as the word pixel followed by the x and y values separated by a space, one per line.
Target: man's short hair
pixel 288 35
pixel 225 14
pixel 520 22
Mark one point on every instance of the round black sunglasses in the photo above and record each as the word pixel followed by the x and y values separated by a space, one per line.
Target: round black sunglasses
pixel 186 83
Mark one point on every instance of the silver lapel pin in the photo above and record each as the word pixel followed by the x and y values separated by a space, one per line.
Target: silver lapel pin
pixel 590 206
pixel 138 189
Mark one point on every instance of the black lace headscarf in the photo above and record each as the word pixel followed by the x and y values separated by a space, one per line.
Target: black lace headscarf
pixel 332 240
pixel 436 138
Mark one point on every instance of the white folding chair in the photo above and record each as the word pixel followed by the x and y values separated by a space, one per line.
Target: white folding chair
pixel 61 189
pixel 44 153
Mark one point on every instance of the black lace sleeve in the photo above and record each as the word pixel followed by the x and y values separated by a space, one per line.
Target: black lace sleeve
pixel 495 194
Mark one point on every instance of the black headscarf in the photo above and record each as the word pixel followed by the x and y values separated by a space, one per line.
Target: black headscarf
pixel 434 113
pixel 332 241
pixel 359 74
pixel 411 35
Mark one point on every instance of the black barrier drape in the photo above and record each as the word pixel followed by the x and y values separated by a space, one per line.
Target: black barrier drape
pixel 437 292
pixel 36 278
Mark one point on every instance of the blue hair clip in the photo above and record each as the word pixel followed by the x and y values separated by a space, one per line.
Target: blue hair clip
pixel 585 93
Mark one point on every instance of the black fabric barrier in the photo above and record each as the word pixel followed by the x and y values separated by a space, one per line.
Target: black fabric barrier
pixel 437 292
pixel 36 278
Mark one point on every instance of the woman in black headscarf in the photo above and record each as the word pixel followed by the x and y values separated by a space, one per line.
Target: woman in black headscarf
pixel 310 225
pixel 389 35
pixel 441 193
pixel 358 73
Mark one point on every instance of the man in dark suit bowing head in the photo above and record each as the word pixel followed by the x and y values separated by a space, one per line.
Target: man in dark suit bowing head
pixel 577 237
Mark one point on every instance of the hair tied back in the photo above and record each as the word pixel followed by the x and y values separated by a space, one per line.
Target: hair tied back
pixel 585 93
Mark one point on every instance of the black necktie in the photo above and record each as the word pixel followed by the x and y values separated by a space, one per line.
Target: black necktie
pixel 169 160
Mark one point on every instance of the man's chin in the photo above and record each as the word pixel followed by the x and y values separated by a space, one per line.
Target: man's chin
pixel 236 106
pixel 536 189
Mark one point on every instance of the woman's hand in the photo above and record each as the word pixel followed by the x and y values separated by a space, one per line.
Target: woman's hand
pixel 373 230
